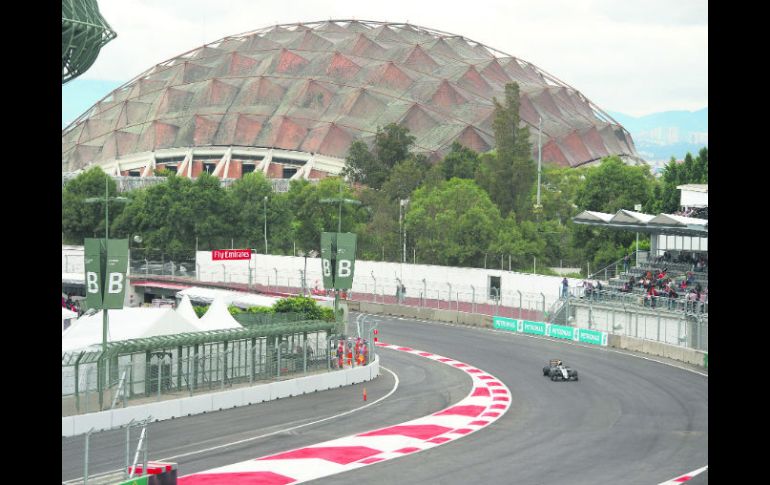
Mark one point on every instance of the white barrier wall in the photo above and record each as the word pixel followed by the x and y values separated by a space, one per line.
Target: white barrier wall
pixel 283 271
pixel 173 408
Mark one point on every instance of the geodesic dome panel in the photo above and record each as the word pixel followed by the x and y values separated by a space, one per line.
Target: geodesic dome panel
pixel 318 87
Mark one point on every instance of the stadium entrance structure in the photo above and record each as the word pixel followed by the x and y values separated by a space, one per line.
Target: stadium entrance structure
pixel 290 99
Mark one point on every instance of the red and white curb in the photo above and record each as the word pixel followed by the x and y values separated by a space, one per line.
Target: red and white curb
pixel 488 400
pixel 686 477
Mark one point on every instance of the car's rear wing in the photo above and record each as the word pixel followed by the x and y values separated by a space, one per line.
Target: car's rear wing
pixel 553 362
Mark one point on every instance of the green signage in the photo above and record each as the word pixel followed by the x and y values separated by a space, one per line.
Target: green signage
pixel 105 272
pixel 534 328
pixel 93 253
pixel 115 280
pixel 338 258
pixel 559 331
pixel 503 323
pixel 346 260
pixel 594 337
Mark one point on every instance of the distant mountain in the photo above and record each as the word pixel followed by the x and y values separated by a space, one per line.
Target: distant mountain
pixel 659 136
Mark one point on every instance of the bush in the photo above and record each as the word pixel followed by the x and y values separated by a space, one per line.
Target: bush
pixel 300 304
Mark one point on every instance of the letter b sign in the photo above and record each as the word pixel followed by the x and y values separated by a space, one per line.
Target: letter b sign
pixel 343 268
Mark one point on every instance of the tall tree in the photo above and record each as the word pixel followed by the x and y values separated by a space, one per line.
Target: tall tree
pixel 509 175
pixel 391 145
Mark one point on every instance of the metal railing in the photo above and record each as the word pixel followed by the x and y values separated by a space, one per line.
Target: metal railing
pixel 681 304
pixel 187 370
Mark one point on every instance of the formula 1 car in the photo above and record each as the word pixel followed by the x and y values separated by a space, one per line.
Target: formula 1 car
pixel 559 372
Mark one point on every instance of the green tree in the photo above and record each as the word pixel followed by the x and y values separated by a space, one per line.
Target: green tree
pixel 453 223
pixel 391 145
pixel 613 185
pixel 508 174
pixel 460 162
pixel 249 205
pixel 312 217
pixel 405 177
pixel 80 219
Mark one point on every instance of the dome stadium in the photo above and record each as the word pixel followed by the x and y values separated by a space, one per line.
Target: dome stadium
pixel 288 100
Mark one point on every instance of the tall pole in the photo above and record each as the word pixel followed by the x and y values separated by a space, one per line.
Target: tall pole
pixel 339 219
pixel 265 200
pixel 539 154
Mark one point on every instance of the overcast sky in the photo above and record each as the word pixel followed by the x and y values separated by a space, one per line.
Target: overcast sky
pixel 632 56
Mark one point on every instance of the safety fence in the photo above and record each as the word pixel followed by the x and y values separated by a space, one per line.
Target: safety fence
pixel 677 328
pixel 166 367
pixel 681 304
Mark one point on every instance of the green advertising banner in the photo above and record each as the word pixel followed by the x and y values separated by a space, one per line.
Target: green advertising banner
pixel 346 261
pixel 338 259
pixel 503 323
pixel 105 273
pixel 115 271
pixel 328 250
pixel 93 267
pixel 594 337
pixel 559 331
pixel 534 328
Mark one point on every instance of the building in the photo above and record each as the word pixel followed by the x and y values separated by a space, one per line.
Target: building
pixel 288 100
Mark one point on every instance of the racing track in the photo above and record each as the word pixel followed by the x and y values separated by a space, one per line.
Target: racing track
pixel 628 420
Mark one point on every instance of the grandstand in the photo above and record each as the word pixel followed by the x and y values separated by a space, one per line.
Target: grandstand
pixel 678 253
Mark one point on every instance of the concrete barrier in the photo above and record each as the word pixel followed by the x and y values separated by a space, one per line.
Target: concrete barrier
pixel 114 418
pixel 681 354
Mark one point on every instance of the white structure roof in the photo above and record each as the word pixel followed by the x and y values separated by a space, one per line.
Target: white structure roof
pixel 125 324
pixel 65 314
pixel 185 309
pixel 239 298
pixel 217 317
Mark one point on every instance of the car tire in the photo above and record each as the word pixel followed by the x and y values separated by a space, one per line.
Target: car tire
pixel 546 370
pixel 554 377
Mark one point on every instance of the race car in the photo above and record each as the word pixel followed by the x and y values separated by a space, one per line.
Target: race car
pixel 557 371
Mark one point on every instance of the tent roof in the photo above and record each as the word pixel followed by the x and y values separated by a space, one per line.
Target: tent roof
pixel 185 309
pixel 125 324
pixel 637 221
pixel 68 314
pixel 217 317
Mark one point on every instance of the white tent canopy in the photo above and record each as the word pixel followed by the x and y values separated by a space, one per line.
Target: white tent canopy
pixel 217 317
pixel 125 324
pixel 66 314
pixel 185 309
pixel 241 299
pixel 237 298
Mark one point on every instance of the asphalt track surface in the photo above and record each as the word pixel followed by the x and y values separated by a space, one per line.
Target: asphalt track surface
pixel 628 419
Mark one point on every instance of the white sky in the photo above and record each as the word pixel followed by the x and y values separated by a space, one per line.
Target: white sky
pixel 632 56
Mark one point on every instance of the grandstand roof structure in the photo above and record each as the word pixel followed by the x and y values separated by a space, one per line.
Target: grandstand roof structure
pixel 298 95
pixel 637 221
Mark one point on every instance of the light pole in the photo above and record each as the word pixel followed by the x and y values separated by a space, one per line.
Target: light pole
pixel 102 381
pixel 401 204
pixel 265 204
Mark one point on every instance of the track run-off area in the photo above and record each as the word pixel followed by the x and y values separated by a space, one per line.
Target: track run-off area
pixel 453 405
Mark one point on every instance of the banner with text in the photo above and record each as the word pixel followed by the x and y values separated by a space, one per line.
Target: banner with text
pixel 583 335
pixel 230 254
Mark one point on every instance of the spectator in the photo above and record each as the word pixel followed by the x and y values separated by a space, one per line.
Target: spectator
pixel 564 287
pixel 626 262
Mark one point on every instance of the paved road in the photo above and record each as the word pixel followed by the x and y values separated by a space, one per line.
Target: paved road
pixel 424 387
pixel 628 420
